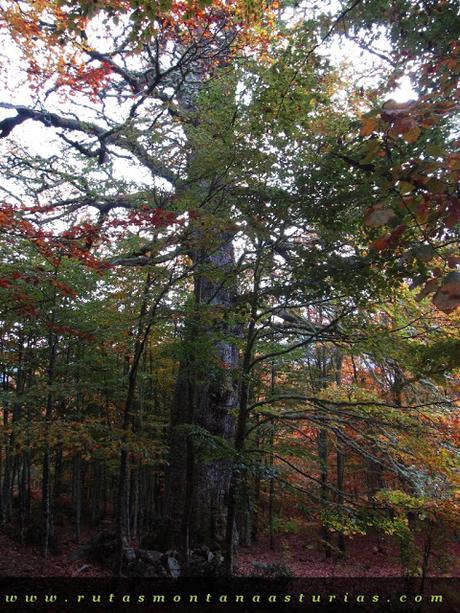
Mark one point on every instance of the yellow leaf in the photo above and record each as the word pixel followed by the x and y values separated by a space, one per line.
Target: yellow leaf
pixel 368 125
pixel 411 136
pixel 436 186
pixel 405 187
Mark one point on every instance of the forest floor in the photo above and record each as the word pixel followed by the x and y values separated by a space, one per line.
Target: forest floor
pixel 18 560
pixel 294 553
pixel 298 555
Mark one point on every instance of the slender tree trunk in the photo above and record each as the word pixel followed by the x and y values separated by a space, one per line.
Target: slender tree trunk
pixel 7 476
pixel 46 499
pixel 340 463
pixel 340 459
pixel 243 417
pixel 144 325
pixel 256 501
pixel 58 468
pixel 23 503
pixel 271 499
pixel 77 495
pixel 324 473
pixel 46 474
pixel 11 458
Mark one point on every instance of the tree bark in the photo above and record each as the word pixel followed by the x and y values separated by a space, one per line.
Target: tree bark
pixel 324 472
pixel 206 391
pixel 206 397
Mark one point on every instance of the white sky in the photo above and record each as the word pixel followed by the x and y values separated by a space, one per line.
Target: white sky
pixel 40 140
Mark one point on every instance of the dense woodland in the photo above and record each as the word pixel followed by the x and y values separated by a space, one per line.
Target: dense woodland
pixel 229 278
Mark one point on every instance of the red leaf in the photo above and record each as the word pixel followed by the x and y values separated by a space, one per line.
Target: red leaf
pixel 381 243
pixel 453 214
pixel 389 241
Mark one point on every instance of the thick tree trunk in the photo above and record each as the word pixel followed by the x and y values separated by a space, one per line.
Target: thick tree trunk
pixel 206 397
pixel 207 389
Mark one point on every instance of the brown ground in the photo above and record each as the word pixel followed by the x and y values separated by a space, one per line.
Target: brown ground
pixel 18 560
pixel 304 557
pixel 300 554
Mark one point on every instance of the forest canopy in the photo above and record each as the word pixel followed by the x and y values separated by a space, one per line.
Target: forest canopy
pixel 229 274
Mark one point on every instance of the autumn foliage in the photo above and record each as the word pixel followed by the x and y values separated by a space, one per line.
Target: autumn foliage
pixel 229 279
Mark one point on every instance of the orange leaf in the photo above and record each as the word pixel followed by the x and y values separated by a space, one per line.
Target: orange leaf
pixel 368 125
pixel 447 298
